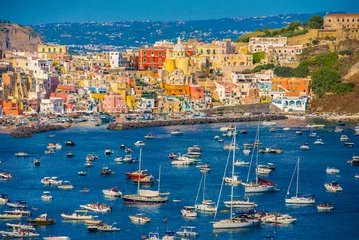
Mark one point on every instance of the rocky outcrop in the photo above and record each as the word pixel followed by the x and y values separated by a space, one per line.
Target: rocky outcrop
pixel 28 131
pixel 16 37
pixel 189 121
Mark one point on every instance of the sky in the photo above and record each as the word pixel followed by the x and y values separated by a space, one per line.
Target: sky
pixel 29 12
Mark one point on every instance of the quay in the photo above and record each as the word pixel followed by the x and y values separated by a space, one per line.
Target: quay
pixel 190 121
pixel 28 131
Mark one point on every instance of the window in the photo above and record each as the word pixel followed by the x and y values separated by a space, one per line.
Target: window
pixel 144 53
pixel 160 54
pixel 144 60
pixel 49 50
pixel 60 50
pixel 27 64
pixel 329 20
pixel 43 49
pixel 54 49
pixel 152 53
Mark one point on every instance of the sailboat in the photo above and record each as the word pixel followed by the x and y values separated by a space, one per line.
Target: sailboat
pixel 298 198
pixel 145 196
pixel 260 185
pixel 206 205
pixel 233 221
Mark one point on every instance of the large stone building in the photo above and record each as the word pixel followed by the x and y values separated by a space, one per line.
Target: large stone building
pixel 336 21
pixel 262 44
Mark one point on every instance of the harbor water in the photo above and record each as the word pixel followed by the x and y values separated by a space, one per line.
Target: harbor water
pixel 183 182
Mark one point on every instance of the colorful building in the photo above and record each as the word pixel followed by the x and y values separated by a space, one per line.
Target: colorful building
pixel 196 93
pixel 291 86
pixel 114 103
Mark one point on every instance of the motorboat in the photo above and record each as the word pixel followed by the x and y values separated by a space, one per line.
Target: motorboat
pixel 51 146
pixel 108 228
pixel 51 136
pixel 85 190
pixel 356 129
pixel 46 196
pixel 240 203
pixel 193 154
pixel 183 162
pixel 172 156
pixel 357 176
pixel 21 154
pixel 128 158
pixel 270 166
pixel 189 212
pixel 263 170
pixel 313 135
pixel 286 128
pixel 41 220
pixel 58 146
pixel 88 164
pixel 122 146
pixel 139 218
pixel 36 162
pixel 279 218
pixel 106 171
pixel 299 133
pixel 108 151
pixel 137 174
pixel 112 192
pixel 241 163
pixel 275 150
pixel 338 130
pixel 20 226
pixel 272 130
pixel 232 180
pixel 344 138
pixel 70 155
pixel 91 157
pixel 319 141
pixel 146 180
pixel 96 207
pixel 231 146
pixel 51 181
pixel 217 137
pixel 236 222
pixel 332 170
pixel 327 206
pixel 187 232
pixel 4 198
pixel 246 152
pixel 70 143
pixel 140 143
pixel 50 151
pixel 204 167
pixel 19 233
pixel 128 150
pixel 56 238
pixel 17 204
pixel 19 211
pixel 333 187
pixel 118 159
pixel 298 198
pixel 76 217
pixel 149 136
pixel 177 132
pixel 66 185
pixel 305 147
pixel 269 123
pixel 227 128
pixel 5 176
pixel 82 173
pixel 349 144
pixel 243 131
pixel 11 216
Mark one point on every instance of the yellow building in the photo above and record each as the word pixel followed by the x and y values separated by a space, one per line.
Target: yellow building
pixel 208 50
pixel 178 59
pixel 131 102
pixel 51 49
pixel 119 88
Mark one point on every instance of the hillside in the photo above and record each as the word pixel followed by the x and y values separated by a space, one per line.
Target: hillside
pixel 16 37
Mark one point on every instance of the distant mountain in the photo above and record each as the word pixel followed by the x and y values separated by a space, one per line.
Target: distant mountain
pixel 16 37
pixel 138 33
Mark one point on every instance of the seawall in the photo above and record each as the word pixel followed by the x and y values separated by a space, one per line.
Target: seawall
pixel 189 121
pixel 28 131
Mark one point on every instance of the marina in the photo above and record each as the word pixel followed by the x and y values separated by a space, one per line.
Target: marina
pixel 29 183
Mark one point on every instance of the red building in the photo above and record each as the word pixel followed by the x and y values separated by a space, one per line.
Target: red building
pixel 196 93
pixel 153 57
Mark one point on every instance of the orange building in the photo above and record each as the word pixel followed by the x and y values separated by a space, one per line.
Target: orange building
pixel 291 86
pixel 176 90
pixel 11 109
pixel 196 93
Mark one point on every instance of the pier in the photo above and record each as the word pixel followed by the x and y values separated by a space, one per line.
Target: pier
pixel 28 131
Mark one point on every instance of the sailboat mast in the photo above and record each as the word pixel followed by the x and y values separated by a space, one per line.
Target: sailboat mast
pixel 159 180
pixel 234 156
pixel 296 194
pixel 139 171
pixel 204 185
pixel 257 145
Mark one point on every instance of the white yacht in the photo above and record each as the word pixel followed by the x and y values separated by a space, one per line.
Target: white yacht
pixel 279 219
pixel 76 217
pixel 240 203
pixel 332 170
pixel 333 187
pixel 344 138
pixel 298 198
pixel 189 212
pixel 187 232
pixel 112 192
pixel 319 141
pixel 66 185
pixel 206 205
pixel 46 196
pixel 263 170
pixel 177 132
pixel 305 147
pixel 139 218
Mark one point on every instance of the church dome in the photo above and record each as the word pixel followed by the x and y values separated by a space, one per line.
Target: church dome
pixel 179 47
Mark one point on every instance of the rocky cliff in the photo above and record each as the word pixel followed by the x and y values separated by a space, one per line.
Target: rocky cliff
pixel 16 37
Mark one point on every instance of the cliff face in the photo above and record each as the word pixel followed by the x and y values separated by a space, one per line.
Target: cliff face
pixel 15 37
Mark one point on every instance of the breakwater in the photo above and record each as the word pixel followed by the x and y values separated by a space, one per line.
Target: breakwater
pixel 28 131
pixel 189 121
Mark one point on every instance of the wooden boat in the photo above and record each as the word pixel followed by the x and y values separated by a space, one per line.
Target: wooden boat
pixel 41 220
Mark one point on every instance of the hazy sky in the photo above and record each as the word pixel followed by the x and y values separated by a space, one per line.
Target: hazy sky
pixel 52 11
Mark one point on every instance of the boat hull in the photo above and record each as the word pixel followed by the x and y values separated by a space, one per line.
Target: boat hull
pixel 258 189
pixel 227 224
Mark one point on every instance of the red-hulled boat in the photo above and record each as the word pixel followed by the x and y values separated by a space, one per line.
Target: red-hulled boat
pixel 137 174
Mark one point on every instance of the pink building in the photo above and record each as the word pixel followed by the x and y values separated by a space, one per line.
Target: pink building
pixel 196 93
pixel 114 103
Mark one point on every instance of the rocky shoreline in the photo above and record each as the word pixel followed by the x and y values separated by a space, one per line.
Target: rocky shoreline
pixel 28 131
pixel 189 121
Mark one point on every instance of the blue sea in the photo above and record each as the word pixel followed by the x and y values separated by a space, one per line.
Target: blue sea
pixel 183 182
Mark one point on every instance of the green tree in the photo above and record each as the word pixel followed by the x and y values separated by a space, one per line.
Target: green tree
pixel 324 80
pixel 258 30
pixel 315 22
pixel 283 71
pixel 293 26
pixel 266 28
pixel 258 56
pixel 301 71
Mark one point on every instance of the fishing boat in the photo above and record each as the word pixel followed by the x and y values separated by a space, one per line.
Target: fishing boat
pixel 11 216
pixel 88 164
pixel 119 159
pixel 298 198
pixel 108 151
pixel 21 226
pixel 70 155
pixel 46 196
pixel 66 185
pixel 112 192
pixel 4 198
pixel 137 174
pixel 189 212
pixel 187 232
pixel 140 143
pixel 240 203
pixel 344 138
pixel 36 162
pixel 82 173
pixel 349 144
pixel 105 171
pixel 206 205
pixel 19 233
pixel 41 220
pixel 305 147
pixel 177 132
pixel 21 154
pixel 279 218
pixel 327 206
pixel 5 176
pixel 145 196
pixel 333 187
pixel 332 170
pixel 96 207
pixel 91 157
pixel 148 180
pixel 50 151
pixel 70 143
pixel 319 141
pixel 17 204
pixel 149 136
pixel 76 217
pixel 269 123
pixel 241 163
pixel 139 218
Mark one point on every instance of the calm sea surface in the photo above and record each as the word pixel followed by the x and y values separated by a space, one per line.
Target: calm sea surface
pixel 182 182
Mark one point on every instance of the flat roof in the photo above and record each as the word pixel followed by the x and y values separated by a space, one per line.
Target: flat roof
pixel 344 15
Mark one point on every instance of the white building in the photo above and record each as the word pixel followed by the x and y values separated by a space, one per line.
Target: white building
pixel 291 104
pixel 262 44
pixel 146 104
pixel 54 105
pixel 115 59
